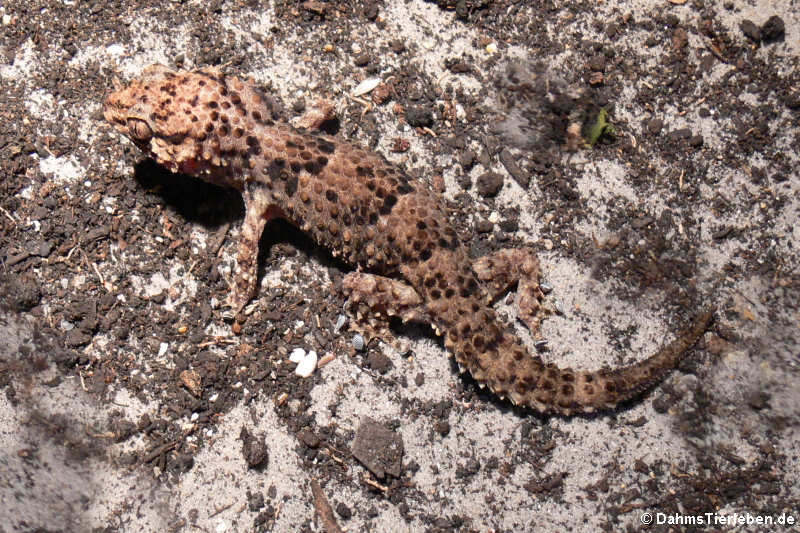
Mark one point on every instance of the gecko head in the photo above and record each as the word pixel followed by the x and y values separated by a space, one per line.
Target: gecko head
pixel 161 113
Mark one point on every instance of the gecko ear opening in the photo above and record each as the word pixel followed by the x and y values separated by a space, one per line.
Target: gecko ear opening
pixel 139 129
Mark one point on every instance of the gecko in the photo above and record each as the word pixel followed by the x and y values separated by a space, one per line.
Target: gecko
pixel 372 215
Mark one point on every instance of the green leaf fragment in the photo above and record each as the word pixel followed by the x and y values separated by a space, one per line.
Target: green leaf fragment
pixel 600 127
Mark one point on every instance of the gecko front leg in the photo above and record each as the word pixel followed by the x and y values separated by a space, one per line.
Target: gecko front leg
pixel 258 211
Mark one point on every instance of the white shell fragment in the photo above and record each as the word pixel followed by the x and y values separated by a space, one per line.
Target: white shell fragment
pixel 366 86
pixel 340 322
pixel 307 366
pixel 358 342
pixel 297 355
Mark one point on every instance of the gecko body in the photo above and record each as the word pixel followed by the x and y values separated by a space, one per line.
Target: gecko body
pixel 372 215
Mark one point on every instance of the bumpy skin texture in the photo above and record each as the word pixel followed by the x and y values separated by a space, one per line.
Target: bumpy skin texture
pixel 371 214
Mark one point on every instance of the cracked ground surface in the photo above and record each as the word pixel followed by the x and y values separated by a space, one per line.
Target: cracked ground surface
pixel 128 404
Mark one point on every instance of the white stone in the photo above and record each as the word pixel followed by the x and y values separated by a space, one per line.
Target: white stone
pixel 307 366
pixel 366 86
pixel 297 355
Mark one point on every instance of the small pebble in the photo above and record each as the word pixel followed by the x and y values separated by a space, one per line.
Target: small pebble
pixel 307 366
pixel 340 322
pixel 297 355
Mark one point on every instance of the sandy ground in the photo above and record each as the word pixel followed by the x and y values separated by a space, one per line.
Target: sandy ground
pixel 113 270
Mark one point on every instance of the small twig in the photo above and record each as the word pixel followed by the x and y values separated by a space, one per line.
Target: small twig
pixel 324 510
pixel 6 213
pixel 160 450
pixel 372 483
pixel 223 508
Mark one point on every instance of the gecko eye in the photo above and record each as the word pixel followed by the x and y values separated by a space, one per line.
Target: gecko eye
pixel 139 130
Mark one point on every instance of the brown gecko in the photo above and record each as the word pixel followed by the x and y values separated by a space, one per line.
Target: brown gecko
pixel 374 216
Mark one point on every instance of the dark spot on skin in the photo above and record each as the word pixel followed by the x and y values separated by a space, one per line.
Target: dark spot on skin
pixel 224 130
pixel 236 99
pixel 256 116
pixel 201 83
pixel 290 144
pixel 611 387
pixel 373 218
pixel 252 141
pixel 223 118
pixel 296 166
pixel 426 254
pixel 326 146
pixel 331 195
pixel 388 204
pixel 472 284
pixel 588 390
pixel 238 132
pixel 436 294
pixel 226 105
pixel 363 171
pixel 421 224
pixel 209 127
pixel 371 185
pixel 449 293
pixel 322 161
pixel 306 155
pixel 588 378
pixel 312 167
pixel 291 186
pixel 214 115
pixel 478 342
pixel 346 219
pixel 546 385
pixel 212 104
pixel 566 390
pixel 569 378
pixel 275 167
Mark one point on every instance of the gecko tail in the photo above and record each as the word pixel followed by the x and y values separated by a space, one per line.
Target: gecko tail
pixel 632 381
pixel 511 372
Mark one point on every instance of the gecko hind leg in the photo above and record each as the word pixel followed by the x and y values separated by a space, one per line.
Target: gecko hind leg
pixel 373 300
pixel 501 270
